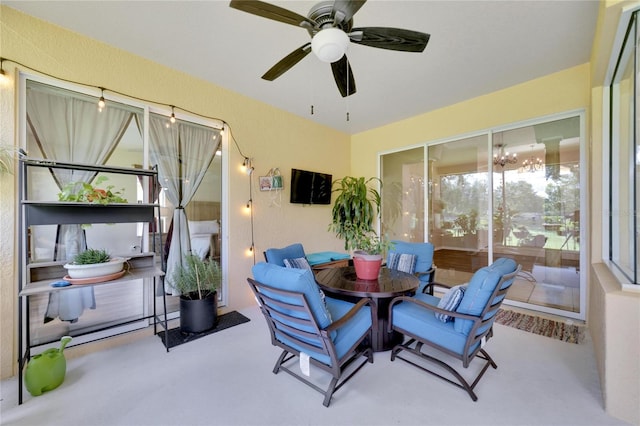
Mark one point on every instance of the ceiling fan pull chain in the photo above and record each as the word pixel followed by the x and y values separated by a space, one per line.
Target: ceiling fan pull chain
pixel 347 66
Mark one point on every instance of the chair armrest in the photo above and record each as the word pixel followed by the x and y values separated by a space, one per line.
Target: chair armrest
pixel 428 288
pixel 349 315
pixel 427 272
pixel 428 307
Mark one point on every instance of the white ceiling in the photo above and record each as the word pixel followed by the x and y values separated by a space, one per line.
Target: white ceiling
pixel 476 47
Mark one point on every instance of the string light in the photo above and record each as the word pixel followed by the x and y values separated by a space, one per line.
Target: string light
pixel 4 78
pixel 246 163
pixel 101 102
pixel 247 167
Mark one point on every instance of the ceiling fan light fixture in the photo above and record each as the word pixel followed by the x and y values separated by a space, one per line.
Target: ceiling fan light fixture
pixel 330 44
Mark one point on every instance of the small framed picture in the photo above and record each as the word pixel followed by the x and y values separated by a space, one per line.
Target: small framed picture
pixel 266 183
pixel 276 182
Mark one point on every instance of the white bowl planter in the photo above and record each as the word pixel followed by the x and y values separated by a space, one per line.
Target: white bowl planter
pixel 95 269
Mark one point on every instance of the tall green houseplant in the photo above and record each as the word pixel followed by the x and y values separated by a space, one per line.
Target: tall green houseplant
pixel 354 211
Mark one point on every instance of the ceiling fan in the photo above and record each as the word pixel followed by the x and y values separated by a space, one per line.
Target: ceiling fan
pixel 330 25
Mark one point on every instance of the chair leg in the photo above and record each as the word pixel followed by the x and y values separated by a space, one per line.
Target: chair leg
pixel 461 382
pixel 281 360
pixel 329 392
pixel 336 382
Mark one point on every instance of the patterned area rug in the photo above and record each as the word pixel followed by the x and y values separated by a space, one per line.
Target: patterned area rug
pixel 570 333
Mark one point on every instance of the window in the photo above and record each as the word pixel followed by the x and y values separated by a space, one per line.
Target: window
pixel 624 157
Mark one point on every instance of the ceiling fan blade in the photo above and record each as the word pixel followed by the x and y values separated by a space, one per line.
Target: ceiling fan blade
pixel 270 11
pixel 344 76
pixel 390 38
pixel 287 62
pixel 343 10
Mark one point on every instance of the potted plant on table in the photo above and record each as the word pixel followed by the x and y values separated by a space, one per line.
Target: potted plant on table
pixel 353 214
pixel 368 256
pixel 197 280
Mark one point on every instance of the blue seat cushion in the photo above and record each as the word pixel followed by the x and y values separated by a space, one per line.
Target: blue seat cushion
pixel 424 324
pixel 278 255
pixel 298 280
pixel 346 336
pixel 480 289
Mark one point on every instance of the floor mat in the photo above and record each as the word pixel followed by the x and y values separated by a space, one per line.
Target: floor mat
pixel 176 337
pixel 543 326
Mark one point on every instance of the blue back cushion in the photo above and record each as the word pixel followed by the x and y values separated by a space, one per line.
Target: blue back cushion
pixel 293 279
pixel 480 289
pixel 423 251
pixel 278 255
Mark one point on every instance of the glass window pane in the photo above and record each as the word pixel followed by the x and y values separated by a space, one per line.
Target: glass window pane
pixel 459 199
pixel 403 195
pixel 536 220
pixel 623 158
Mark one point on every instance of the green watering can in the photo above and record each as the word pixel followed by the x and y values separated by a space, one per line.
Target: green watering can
pixel 46 371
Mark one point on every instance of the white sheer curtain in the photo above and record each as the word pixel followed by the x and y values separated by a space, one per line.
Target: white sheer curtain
pixel 183 152
pixel 73 130
pixel 69 129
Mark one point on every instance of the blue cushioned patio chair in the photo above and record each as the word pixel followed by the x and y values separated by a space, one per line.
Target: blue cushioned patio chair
pixel 330 332
pixel 422 268
pixel 278 255
pixel 462 332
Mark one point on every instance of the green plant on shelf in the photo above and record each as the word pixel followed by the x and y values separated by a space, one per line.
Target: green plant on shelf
pixel 91 256
pixel 82 192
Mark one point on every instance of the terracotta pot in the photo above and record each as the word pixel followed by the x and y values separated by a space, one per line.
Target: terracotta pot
pixel 367 266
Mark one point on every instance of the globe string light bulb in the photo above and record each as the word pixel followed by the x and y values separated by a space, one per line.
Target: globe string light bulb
pixel 101 102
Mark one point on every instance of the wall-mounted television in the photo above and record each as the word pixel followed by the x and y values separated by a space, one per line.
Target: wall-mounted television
pixel 310 187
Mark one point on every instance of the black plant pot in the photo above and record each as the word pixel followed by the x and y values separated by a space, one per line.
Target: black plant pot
pixel 198 315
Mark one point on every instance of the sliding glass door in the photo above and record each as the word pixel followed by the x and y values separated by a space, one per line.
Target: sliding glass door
pixel 509 192
pixel 537 211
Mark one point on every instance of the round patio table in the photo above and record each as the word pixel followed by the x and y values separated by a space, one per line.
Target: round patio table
pixel 342 283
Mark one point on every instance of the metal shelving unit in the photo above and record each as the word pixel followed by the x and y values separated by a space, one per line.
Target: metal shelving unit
pixel 36 278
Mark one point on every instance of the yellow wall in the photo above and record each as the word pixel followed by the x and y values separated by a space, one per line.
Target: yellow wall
pixel 272 137
pixel 559 92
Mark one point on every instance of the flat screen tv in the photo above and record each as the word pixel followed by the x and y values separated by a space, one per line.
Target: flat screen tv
pixel 310 187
